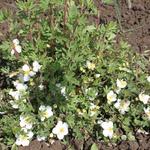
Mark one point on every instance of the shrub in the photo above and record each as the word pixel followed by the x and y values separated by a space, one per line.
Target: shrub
pixel 68 76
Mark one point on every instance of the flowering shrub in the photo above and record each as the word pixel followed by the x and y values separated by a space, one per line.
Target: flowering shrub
pixel 69 78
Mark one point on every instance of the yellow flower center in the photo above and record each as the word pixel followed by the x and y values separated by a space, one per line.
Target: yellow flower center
pixel 110 129
pixel 122 105
pixel 45 114
pixel 27 120
pixel 92 66
pixel 148 113
pixel 123 83
pixel 22 137
pixel 61 130
pixel 27 72
pixel 110 98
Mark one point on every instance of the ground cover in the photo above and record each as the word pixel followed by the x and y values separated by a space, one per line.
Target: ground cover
pixel 134 19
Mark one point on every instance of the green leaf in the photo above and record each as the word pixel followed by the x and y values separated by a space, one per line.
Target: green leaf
pixel 73 12
pixel 1 16
pixel 126 121
pixel 44 4
pixel 107 1
pixel 94 147
pixel 90 28
pixel 14 147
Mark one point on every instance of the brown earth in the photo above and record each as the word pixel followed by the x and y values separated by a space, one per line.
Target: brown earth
pixel 135 28
pixel 142 143
pixel 134 21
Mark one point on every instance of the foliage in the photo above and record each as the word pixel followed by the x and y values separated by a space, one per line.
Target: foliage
pixel 79 64
pixel 108 1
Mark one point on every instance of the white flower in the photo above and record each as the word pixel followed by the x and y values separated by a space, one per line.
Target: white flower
pixel 144 98
pixel 42 108
pixel 61 129
pixel 58 85
pixel 93 109
pixel 16 42
pixel 90 66
pixel 26 68
pixel 32 73
pixel 82 69
pixel 27 73
pixel 47 45
pixel 125 69
pixel 51 135
pixel 99 122
pixel 107 129
pixel 15 83
pixel 97 75
pixel 21 87
pixel 12 52
pixel 122 106
pixel 41 138
pixel 36 66
pixel 41 86
pixel 26 122
pixel 142 131
pixel 148 78
pixel 26 78
pixel 16 47
pixel 45 112
pixel 14 104
pixel 147 112
pixel 30 134
pixel 15 94
pixel 121 84
pixel 81 113
pixel 3 112
pixel 111 97
pixel 63 91
pixel 24 139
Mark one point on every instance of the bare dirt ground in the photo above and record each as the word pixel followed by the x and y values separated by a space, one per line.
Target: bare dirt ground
pixel 134 21
pixel 142 143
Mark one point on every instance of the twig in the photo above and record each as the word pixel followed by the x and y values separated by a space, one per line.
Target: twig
pixel 65 13
pixel 98 18
pixel 118 13
pixel 129 4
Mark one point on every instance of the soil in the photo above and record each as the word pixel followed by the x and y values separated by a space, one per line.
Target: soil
pixel 134 21
pixel 135 28
pixel 142 143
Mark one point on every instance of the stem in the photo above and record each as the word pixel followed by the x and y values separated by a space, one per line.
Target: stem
pixel 98 18
pixel 118 13
pixel 129 4
pixel 65 13
pixel 51 16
